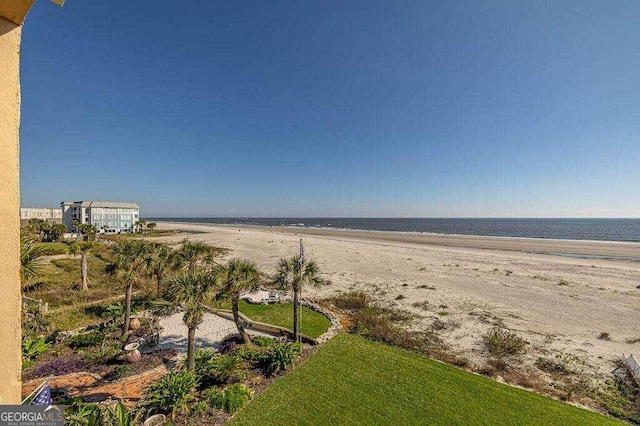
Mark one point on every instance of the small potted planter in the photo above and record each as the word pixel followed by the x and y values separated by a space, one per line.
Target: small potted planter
pixel 131 353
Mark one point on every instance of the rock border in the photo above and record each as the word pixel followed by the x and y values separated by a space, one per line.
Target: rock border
pixel 334 328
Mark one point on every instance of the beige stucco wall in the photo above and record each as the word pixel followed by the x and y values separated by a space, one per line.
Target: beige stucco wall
pixel 10 334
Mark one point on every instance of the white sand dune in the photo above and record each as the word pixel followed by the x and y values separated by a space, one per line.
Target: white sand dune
pixel 559 304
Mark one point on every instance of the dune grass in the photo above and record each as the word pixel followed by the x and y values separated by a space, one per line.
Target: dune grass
pixel 281 314
pixel 351 380
pixel 70 307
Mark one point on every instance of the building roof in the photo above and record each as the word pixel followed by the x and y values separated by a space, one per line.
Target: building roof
pixel 39 208
pixel 15 10
pixel 106 204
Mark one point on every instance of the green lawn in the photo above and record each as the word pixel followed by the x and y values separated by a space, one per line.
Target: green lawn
pixel 281 314
pixel 350 380
pixel 53 248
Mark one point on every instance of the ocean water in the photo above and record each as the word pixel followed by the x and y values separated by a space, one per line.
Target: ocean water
pixel 627 230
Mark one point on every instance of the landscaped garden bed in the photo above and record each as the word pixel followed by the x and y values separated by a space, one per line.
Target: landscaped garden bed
pixel 97 349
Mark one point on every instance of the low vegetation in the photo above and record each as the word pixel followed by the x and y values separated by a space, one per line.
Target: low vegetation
pixel 501 342
pixel 218 383
pixel 620 395
pixel 230 399
pixel 370 319
pixel 171 394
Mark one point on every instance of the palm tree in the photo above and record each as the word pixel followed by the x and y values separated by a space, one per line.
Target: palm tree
pixel 236 277
pixel 88 231
pixel 188 290
pixel 140 225
pixel 151 226
pixel 161 261
pixel 82 249
pixel 56 231
pixel 193 252
pixel 292 273
pixel 31 258
pixel 130 263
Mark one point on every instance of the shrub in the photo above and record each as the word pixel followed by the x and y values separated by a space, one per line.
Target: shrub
pixel 604 336
pixel 580 384
pixel 170 394
pixel 121 416
pixel 351 301
pixel 33 321
pixel 498 364
pixel 83 414
pixel 280 356
pixel 199 408
pixel 620 396
pixel 85 340
pixel 113 311
pixel 122 370
pixel 219 368
pixel 229 369
pixel 230 400
pixel 561 364
pixel 263 341
pixel 33 347
pixel 249 353
pixel 106 351
pixel 236 397
pixel 215 397
pixel 379 323
pixel 500 342
pixel 204 362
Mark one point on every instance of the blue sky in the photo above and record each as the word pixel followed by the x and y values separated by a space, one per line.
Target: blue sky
pixel 335 108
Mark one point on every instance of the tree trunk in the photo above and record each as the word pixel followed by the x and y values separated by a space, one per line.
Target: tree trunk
pixel 296 301
pixel 236 318
pixel 127 308
pixel 191 349
pixel 83 272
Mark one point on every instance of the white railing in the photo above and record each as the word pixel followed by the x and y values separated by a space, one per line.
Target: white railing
pixel 632 363
pixel 42 306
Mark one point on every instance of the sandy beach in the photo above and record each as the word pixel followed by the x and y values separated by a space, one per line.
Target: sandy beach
pixel 559 304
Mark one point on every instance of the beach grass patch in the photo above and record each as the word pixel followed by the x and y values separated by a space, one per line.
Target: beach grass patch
pixel 500 342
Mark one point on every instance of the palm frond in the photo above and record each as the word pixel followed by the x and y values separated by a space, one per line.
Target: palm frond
pixel 31 259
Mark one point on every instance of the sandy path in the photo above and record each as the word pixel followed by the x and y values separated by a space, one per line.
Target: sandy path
pixel 558 303
pixel 209 333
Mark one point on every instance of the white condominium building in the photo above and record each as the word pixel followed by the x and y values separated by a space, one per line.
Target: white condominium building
pixel 108 217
